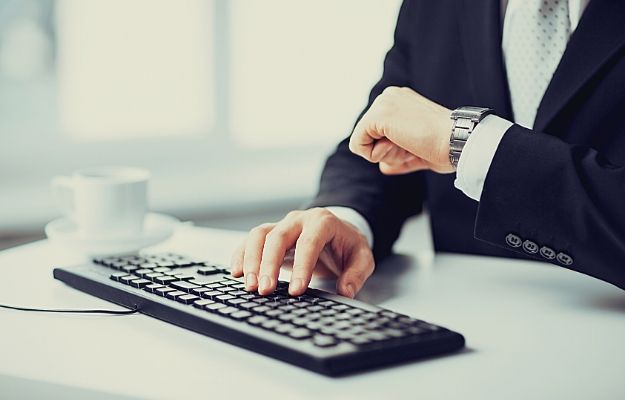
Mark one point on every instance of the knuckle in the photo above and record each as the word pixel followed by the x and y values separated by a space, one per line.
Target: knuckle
pixel 260 230
pixel 277 235
pixel 390 90
pixel 292 214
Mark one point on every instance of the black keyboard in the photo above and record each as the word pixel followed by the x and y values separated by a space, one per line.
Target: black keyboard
pixel 319 331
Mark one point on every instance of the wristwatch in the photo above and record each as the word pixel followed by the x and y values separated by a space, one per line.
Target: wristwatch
pixel 465 120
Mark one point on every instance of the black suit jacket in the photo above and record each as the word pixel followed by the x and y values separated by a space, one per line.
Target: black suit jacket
pixel 560 186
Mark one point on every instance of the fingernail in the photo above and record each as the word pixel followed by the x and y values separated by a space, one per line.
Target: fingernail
pixel 350 289
pixel 250 281
pixel 295 286
pixel 265 284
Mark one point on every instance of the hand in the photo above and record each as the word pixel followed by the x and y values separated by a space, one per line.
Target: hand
pixel 320 240
pixel 404 132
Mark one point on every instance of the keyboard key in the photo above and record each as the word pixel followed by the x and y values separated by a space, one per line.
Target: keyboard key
pixel 116 276
pixel 300 321
pixel 202 303
pixel 259 309
pixel 215 306
pixel 152 276
pixel 175 294
pixel 184 277
pixel 285 328
pixel 163 291
pixel 315 308
pixel 227 289
pixel 235 301
pixel 315 326
pixel 327 313
pixel 164 280
pixel 270 324
pixel 272 312
pixel 287 317
pixel 184 286
pixel 238 293
pixel 248 305
pixel 162 270
pixel 139 283
pixel 354 311
pixel 257 320
pixel 143 271
pixel 227 310
pixel 241 315
pixel 200 290
pixel 324 341
pixel 215 285
pixel 208 271
pixel 212 294
pixel 224 297
pixel 360 340
pixel 299 311
pixel 342 316
pixel 200 282
pixel 187 298
pixel 126 279
pixel 260 300
pixel 326 303
pixel 151 288
pixel 340 307
pixel 300 333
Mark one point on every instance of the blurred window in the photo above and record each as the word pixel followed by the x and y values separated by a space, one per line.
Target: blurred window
pixel 200 91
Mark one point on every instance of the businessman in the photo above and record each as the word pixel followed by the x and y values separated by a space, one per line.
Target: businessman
pixel 506 119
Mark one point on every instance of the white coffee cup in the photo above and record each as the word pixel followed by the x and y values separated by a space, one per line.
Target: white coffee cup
pixel 104 201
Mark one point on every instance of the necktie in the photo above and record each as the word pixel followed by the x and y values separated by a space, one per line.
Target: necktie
pixel 534 39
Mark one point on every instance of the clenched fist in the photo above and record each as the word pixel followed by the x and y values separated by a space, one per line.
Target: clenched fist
pixel 404 132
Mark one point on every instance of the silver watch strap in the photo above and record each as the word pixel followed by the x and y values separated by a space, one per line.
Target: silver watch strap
pixel 465 120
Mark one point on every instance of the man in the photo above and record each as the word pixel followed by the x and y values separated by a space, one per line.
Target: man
pixel 542 173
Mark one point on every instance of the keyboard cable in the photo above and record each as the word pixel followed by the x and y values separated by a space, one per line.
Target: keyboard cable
pixel 69 311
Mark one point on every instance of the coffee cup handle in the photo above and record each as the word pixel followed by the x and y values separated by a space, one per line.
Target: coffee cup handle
pixel 63 193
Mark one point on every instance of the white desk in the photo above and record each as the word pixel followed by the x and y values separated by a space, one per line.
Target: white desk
pixel 533 331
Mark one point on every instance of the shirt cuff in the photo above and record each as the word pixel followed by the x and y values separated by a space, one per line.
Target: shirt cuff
pixel 355 218
pixel 478 154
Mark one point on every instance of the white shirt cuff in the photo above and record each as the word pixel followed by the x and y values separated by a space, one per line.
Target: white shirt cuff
pixel 478 154
pixel 353 217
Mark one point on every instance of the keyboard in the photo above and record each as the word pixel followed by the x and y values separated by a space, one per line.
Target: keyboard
pixel 319 331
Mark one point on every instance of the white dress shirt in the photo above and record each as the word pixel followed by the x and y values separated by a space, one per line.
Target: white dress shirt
pixel 481 146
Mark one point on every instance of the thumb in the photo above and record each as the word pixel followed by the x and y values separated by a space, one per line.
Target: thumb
pixel 356 271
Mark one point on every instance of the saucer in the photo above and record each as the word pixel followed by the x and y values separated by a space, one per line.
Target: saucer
pixel 156 228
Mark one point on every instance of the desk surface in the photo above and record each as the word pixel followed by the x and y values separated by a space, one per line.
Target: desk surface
pixel 532 330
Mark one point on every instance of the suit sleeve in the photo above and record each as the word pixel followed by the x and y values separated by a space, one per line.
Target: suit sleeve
pixel 350 181
pixel 557 202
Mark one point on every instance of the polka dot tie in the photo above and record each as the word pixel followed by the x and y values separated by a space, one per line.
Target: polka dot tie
pixel 534 39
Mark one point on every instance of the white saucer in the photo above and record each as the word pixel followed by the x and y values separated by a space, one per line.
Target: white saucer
pixel 156 228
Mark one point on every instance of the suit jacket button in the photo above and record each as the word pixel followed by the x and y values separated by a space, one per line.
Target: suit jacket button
pixel 530 247
pixel 547 252
pixel 513 240
pixel 564 259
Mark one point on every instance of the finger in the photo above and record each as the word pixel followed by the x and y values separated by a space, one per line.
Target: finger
pixel 236 261
pixel 381 150
pixel 412 164
pixel 363 138
pixel 310 244
pixel 278 242
pixel 253 255
pixel 358 269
